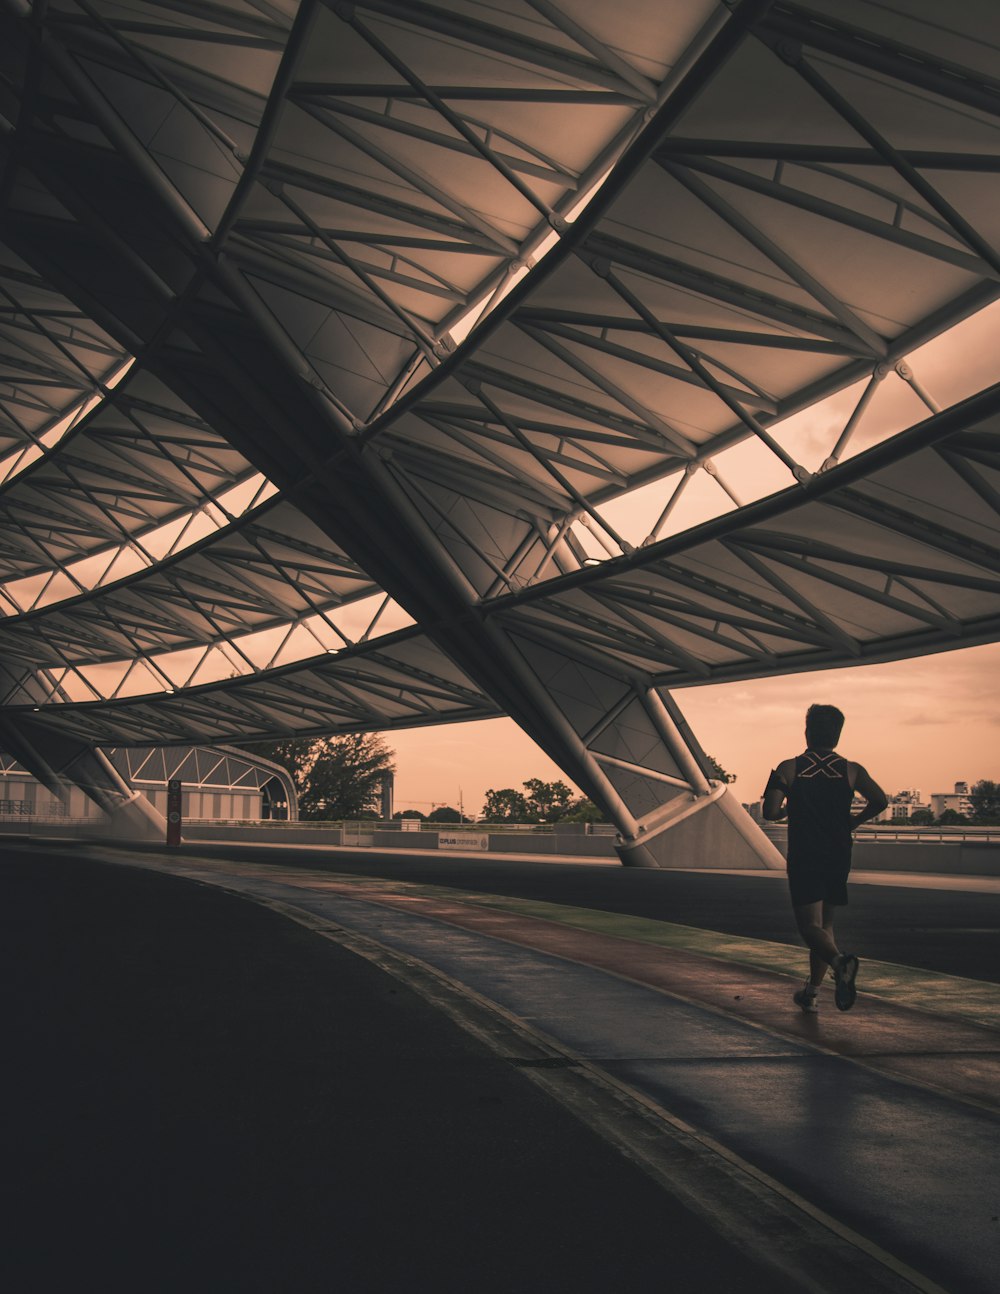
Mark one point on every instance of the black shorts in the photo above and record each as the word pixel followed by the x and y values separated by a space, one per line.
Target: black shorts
pixel 818 881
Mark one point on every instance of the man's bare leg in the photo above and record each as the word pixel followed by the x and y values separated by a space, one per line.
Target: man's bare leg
pixel 815 923
pixel 817 962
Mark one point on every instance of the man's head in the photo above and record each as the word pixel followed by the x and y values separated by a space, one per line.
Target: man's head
pixel 823 726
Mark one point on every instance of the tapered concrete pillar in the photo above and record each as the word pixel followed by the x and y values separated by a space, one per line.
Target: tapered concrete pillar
pixel 713 831
pixel 58 761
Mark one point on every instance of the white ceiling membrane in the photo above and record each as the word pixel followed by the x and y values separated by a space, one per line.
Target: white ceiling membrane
pixel 894 554
pixel 265 570
pixel 140 461
pixel 452 279
pixel 54 360
pixel 404 682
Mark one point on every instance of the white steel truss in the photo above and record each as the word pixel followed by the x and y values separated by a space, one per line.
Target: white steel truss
pixel 201 768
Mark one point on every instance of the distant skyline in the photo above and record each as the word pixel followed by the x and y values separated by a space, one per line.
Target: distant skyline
pixel 923 723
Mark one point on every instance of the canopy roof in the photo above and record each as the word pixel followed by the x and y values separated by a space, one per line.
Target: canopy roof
pixel 509 261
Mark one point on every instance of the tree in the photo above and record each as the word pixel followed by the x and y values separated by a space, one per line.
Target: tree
pixel 952 818
pixel 546 801
pixel 985 797
pixel 345 777
pixel 292 754
pixel 408 813
pixel 336 777
pixel 583 810
pixel 444 813
pixel 921 818
pixel 538 802
pixel 716 770
pixel 507 805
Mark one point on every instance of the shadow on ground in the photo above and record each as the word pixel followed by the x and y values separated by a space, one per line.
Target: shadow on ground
pixel 203 1096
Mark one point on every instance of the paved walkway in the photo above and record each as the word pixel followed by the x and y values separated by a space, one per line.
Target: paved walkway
pixel 850 1149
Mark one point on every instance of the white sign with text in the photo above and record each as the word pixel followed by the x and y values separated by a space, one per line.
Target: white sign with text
pixel 463 840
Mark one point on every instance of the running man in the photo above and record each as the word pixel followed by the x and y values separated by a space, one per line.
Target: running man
pixel 814 791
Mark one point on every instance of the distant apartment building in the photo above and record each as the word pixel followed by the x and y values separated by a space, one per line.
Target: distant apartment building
pixel 958 799
pixel 902 806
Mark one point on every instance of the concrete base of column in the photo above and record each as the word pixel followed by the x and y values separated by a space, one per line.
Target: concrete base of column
pixel 136 819
pixel 719 834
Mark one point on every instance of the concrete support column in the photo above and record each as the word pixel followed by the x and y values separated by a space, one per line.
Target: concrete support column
pixel 709 831
pixel 58 761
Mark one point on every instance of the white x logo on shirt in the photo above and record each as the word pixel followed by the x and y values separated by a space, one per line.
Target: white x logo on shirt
pixel 821 764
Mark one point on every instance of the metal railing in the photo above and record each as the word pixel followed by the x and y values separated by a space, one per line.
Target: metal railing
pixel 935 835
pixel 905 835
pixel 396 824
pixel 29 809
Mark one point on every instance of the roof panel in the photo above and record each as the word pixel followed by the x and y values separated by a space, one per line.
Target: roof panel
pixel 492 268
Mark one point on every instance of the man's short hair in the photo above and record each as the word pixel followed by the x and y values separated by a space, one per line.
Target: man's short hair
pixel 823 725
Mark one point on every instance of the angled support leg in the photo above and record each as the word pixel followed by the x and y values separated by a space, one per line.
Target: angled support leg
pixel 642 763
pixel 59 761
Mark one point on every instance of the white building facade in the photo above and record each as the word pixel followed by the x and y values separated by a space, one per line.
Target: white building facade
pixel 217 783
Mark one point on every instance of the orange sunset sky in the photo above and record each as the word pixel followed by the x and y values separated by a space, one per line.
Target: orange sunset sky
pixel 919 723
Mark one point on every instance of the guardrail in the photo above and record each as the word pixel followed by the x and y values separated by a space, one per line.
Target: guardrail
pixel 943 835
pixel 906 835
pixel 44 819
pixel 373 824
pixel 23 820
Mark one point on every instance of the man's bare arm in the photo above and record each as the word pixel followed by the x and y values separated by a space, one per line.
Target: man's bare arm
pixel 872 792
pixel 774 808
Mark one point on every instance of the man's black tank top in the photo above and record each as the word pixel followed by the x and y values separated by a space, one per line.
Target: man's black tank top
pixel 819 809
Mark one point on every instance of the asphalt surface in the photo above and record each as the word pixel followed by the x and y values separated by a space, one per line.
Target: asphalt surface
pixel 942 930
pixel 202 1096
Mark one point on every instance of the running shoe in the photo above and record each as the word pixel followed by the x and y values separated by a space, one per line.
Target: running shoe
pixel 806 999
pixel 845 994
